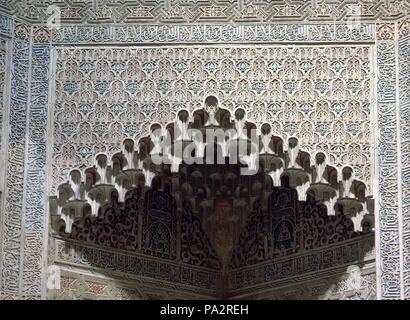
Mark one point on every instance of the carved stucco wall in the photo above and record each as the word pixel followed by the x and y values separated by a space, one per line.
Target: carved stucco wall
pixel 24 143
pixel 103 95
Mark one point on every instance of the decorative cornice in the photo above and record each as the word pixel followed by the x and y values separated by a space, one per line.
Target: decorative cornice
pixel 164 34
pixel 204 11
pixel 192 33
